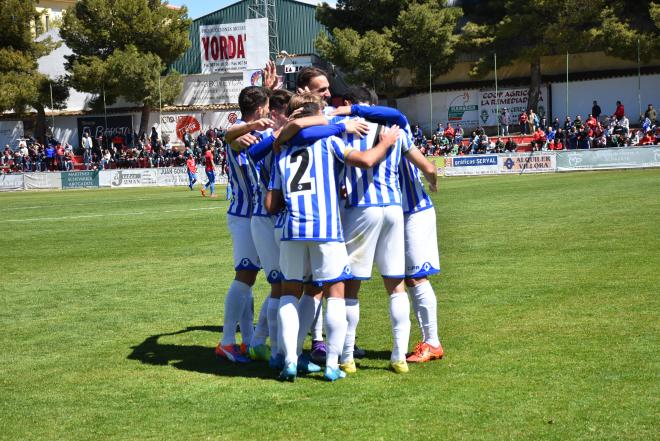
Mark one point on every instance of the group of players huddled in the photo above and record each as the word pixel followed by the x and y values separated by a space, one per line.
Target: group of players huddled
pixel 318 195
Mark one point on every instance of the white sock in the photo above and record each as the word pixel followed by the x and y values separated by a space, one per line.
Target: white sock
pixel 317 326
pixel 352 318
pixel 288 317
pixel 234 302
pixel 246 321
pixel 416 310
pixel 425 304
pixel 261 330
pixel 273 307
pixel 335 319
pixel 400 318
pixel 306 312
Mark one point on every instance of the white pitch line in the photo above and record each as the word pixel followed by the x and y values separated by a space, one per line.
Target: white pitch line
pixel 83 204
pixel 88 216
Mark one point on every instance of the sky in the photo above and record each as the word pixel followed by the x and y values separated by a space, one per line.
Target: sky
pixel 198 8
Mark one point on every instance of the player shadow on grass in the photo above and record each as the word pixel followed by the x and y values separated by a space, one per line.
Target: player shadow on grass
pixel 195 358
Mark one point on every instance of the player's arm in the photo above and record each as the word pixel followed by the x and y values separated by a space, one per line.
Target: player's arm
pixel 425 166
pixel 274 201
pixel 243 142
pixel 310 135
pixel 241 129
pixel 293 126
pixel 259 150
pixel 375 113
pixel 371 157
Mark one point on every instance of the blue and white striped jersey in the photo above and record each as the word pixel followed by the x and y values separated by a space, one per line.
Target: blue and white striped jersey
pixel 377 186
pixel 413 196
pixel 241 189
pixel 308 177
pixel 260 175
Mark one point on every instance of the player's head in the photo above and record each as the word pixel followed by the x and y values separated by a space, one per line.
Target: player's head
pixel 279 101
pixel 360 95
pixel 310 103
pixel 253 101
pixel 315 80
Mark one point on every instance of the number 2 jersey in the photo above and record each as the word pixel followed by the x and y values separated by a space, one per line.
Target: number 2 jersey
pixel 308 176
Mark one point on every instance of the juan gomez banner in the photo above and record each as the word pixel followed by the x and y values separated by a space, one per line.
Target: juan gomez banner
pixel 234 47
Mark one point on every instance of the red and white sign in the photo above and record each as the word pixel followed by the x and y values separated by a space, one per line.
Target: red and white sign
pixel 234 47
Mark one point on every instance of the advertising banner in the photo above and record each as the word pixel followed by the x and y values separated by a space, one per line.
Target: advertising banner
pixel 471 165
pixel 463 109
pixel 42 181
pixel 174 127
pixel 80 179
pixel 515 100
pixel 210 89
pixel 121 125
pixel 538 162
pixel 11 182
pixel 439 163
pixel 234 47
pixel 135 177
pixel 171 176
pixel 609 158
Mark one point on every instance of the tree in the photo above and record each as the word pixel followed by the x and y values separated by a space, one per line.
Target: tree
pixel 370 46
pixel 23 87
pixel 121 48
pixel 625 23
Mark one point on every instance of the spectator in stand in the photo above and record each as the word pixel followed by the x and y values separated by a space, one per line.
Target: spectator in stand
pixel 539 139
pixel 418 135
pixel 59 152
pixel 510 145
pixel 578 123
pixel 105 160
pixel 572 139
pixel 522 120
pixel 484 142
pixel 68 161
pixel 583 141
pixel 440 131
pixel 592 122
pixel 450 133
pixel 532 121
pixel 505 121
pixel 619 112
pixel 458 134
pixel 622 126
pixel 648 139
pixel 543 125
pixel 211 135
pixel 202 141
pixel 657 135
pixel 600 141
pixel 154 137
pixel 550 136
pixel 499 146
pixel 651 114
pixel 557 145
pixel 555 124
pixel 560 135
pixel 567 124
pixel 595 110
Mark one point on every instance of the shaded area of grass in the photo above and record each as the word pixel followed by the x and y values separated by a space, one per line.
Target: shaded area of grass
pixel 548 307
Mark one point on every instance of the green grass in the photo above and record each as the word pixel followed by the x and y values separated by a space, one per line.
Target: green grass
pixel 548 302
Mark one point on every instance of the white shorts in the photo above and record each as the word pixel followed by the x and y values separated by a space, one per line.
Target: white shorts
pixel 375 234
pixel 267 249
pixel 422 258
pixel 324 261
pixel 245 253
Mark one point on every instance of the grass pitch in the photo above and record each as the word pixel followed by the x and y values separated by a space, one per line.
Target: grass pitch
pixel 548 302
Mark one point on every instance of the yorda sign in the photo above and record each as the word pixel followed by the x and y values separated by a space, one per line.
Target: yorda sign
pixel 234 47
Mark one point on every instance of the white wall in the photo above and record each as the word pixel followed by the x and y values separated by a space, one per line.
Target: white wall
pixel 581 95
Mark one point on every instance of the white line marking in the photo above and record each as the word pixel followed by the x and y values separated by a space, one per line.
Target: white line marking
pixel 87 216
pixel 82 204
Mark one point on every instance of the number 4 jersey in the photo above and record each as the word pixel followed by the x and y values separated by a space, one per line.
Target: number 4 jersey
pixel 309 177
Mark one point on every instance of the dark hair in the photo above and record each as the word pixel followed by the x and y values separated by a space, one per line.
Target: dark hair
pixel 279 99
pixel 360 94
pixel 307 74
pixel 251 98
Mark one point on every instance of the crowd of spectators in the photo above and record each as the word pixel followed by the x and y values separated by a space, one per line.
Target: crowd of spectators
pixel 596 131
pixel 118 152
